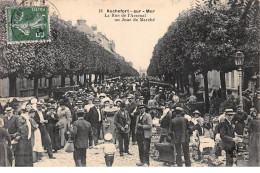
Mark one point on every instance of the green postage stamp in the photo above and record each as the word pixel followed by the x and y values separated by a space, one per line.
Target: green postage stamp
pixel 27 24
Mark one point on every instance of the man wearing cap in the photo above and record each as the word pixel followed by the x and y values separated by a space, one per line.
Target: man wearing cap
pixel 130 109
pixel 198 121
pixel 53 130
pixel 143 135
pixel 227 136
pixel 180 132
pixel 82 136
pixel 39 118
pixel 146 95
pixel 122 122
pixel 92 116
pixel 239 120
pixel 11 124
pixel 160 96
pixel 165 121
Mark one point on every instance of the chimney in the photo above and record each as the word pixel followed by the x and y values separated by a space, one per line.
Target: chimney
pixel 81 22
pixel 69 22
pixel 94 27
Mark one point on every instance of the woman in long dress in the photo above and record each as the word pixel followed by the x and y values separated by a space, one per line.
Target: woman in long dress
pixel 64 115
pixel 23 152
pixel 254 139
pixel 36 138
pixel 108 113
pixel 4 136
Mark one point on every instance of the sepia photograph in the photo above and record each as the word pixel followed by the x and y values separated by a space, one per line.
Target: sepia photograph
pixel 129 83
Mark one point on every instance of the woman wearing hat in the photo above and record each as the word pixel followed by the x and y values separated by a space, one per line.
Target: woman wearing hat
pixel 36 139
pixel 254 136
pixel 108 113
pixel 4 137
pixel 23 152
pixel 64 115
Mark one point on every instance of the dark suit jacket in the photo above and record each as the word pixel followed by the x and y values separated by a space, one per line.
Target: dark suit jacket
pixel 11 125
pixel 73 113
pixel 146 124
pixel 121 121
pixel 227 134
pixel 46 141
pixel 82 134
pixel 37 117
pixel 131 107
pixel 92 117
pixel 180 130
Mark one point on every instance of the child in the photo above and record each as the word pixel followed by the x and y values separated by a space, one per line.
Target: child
pixel 195 145
pixel 109 149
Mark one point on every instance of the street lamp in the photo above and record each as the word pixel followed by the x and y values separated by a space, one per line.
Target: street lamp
pixel 239 61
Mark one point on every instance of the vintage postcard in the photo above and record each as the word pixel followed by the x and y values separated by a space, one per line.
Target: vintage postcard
pixel 129 83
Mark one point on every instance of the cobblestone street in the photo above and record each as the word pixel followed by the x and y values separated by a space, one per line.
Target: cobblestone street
pixel 95 158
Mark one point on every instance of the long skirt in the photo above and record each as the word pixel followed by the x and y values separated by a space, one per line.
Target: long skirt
pixel 109 127
pixel 3 154
pixel 37 147
pixel 64 130
pixel 23 153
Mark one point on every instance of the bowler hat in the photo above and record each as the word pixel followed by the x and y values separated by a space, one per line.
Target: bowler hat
pixel 142 106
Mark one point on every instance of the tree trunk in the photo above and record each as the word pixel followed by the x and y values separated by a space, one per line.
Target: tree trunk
pixel 100 78
pixel 178 83
pixel 78 79
pixel 95 80
pixel 12 86
pixel 173 81
pixel 181 83
pixel 36 87
pixel 50 82
pixel 85 80
pixel 206 90
pixel 90 79
pixel 194 84
pixel 223 85
pixel 72 83
pixel 63 82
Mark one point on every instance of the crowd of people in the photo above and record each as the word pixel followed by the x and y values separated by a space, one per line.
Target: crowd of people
pixel 119 112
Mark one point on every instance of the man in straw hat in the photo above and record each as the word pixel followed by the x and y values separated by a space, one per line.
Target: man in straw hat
pixel 180 132
pixel 227 136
